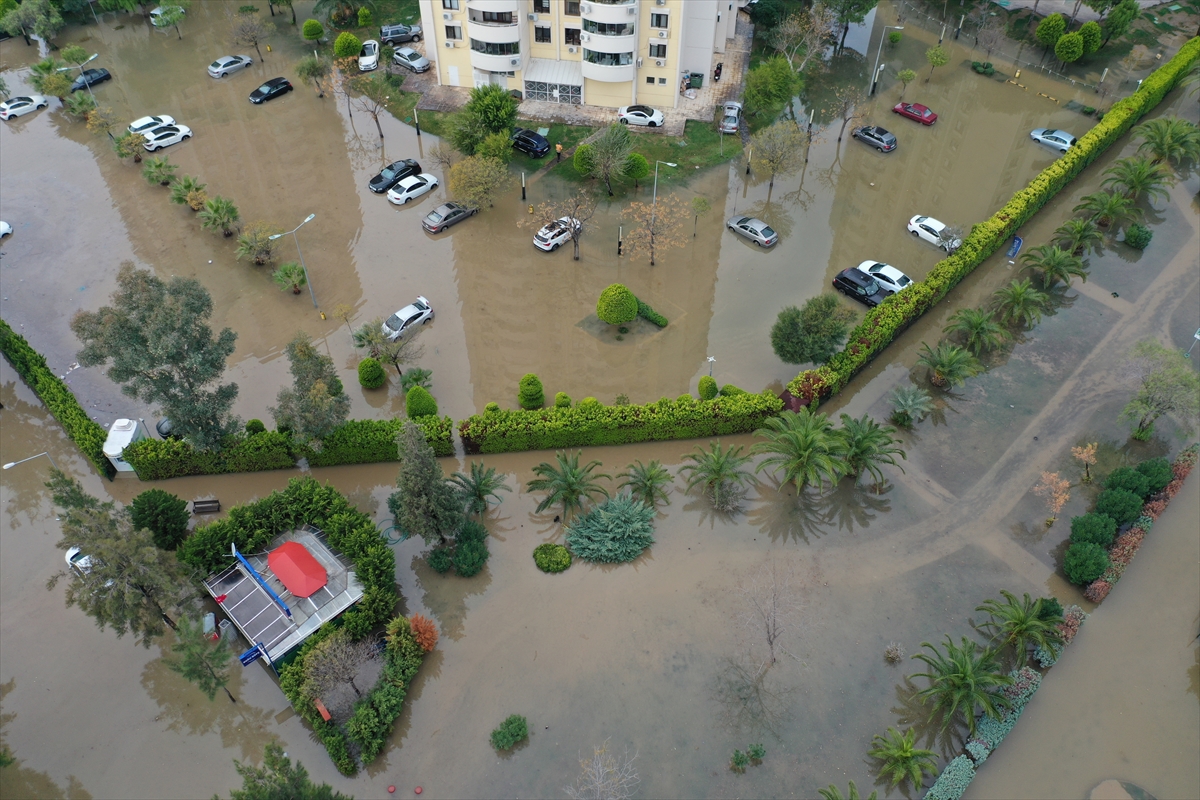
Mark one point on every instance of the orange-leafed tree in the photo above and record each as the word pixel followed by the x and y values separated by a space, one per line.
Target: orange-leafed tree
pixel 424 631
pixel 1054 490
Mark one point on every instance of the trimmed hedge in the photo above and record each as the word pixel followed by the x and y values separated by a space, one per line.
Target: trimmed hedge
pixel 87 434
pixel 650 315
pixel 591 424
pixel 885 322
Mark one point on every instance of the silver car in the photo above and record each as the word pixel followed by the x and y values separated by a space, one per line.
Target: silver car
pixel 753 229
pixel 1053 138
pixel 228 64
pixel 731 120
pixel 416 313
pixel 410 59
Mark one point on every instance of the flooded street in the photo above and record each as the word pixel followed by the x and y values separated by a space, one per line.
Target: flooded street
pixel 646 656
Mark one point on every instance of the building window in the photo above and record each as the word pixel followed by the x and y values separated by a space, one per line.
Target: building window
pixel 496 48
pixel 492 17
pixel 454 32
pixel 571 35
pixel 607 59
pixel 572 9
pixel 662 81
pixel 608 28
pixel 649 80
pixel 659 20
pixel 658 51
pixel 452 5
pixel 541 33
pixel 541 6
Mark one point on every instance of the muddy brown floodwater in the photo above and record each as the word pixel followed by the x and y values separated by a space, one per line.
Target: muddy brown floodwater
pixel 644 656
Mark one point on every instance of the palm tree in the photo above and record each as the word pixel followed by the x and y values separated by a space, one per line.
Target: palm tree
pixel 949 364
pixel 478 487
pixel 910 404
pixel 646 482
pixel 719 472
pixel 803 445
pixel 159 170
pixel 1136 177
pixel 979 330
pixel 1107 208
pixel 1054 265
pixel 1078 236
pixel 864 445
pixel 567 484
pixel 290 276
pixel 1169 139
pixel 220 214
pixel 184 190
pixel 80 105
pixel 902 759
pixel 255 242
pixel 1021 624
pixel 1019 303
pixel 834 793
pixel 967 677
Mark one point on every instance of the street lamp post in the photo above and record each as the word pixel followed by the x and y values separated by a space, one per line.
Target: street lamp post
pixel 878 53
pixel 711 361
pixel 80 68
pixel 301 253
pixel 654 205
pixel 12 464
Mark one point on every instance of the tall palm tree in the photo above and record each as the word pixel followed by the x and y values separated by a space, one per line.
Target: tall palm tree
pixel 1054 265
pixel 910 404
pixel 1137 177
pixel 479 487
pixel 220 214
pixel 902 759
pixel 1169 139
pixel 834 793
pixel 567 483
pixel 966 678
pixel 803 445
pixel 719 472
pixel 1078 236
pixel 1021 624
pixel 1019 303
pixel 159 170
pixel 949 364
pixel 1107 208
pixel 979 330
pixel 646 482
pixel 864 445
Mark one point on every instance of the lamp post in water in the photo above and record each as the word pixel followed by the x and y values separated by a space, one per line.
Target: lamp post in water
pixel 302 265
pixel 878 54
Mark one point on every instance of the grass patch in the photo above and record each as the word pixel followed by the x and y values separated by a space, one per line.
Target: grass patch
pixel 569 135
pixel 389 12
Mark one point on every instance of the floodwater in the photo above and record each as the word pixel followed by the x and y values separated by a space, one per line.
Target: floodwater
pixel 646 655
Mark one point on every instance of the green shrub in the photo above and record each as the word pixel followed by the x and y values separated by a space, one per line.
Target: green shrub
pixel 1051 607
pixel 729 390
pixel 368 441
pixel 1138 236
pixel 346 45
pixel 371 374
pixel 471 531
pixel 530 394
pixel 954 780
pixel 365 20
pixel 593 424
pixel 738 761
pixel 255 426
pixel 512 731
pixel 551 557
pixel 588 402
pixel 491 407
pixel 440 560
pixel 419 403
pixel 87 434
pixel 1084 562
pixel 562 400
pixel 616 531
pixel 470 557
pixel 1129 479
pixel 707 388
pixel 1158 474
pixel 312 30
pixel 163 514
pixel 650 315
pixel 1094 528
pixel 616 305
pixel 1122 505
pixel 584 159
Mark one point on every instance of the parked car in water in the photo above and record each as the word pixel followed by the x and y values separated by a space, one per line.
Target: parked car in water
pixel 446 215
pixel 916 111
pixel 1053 138
pixel 228 64
pixel 731 119
pixel 20 106
pixel 881 139
pixel 77 562
pixel 531 143
pixel 144 125
pixel 5 229
pixel 90 77
pixel 395 34
pixel 753 229
pixel 156 15
pixel 368 57
pixel 555 234
pixel 410 59
pixel 415 313
pixel 166 136
pixel 392 174
pixel 270 90
pixel 931 230
pixel 411 188
pixel 862 287
pixel 640 115
pixel 890 278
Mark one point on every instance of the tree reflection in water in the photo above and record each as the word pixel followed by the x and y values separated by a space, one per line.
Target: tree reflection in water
pixel 751 701
pixel 783 516
pixel 19 781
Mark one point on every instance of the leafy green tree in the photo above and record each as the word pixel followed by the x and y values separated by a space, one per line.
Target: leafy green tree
pixel 905 76
pixel 38 18
pixel 1050 30
pixel 403 350
pixel 864 445
pixel 834 793
pixel 1120 18
pixel 978 329
pixel 770 86
pixel 1078 236
pixel 1169 139
pixel 804 446
pixel 949 364
pixel 566 483
pixel 371 374
pixel 812 334
pixel 719 472
pixel 199 659
pixel 157 344
pixel 476 181
pixel 1019 303
pixel 777 151
pixel 1069 48
pixel 1101 7
pixel 346 46
pixel 937 57
pixel 312 30
pixel 220 214
pixel 316 403
pixel 910 404
pixel 80 104
pixel 1020 624
pixel 614 532
pixel 277 779
pixel 1138 177
pixel 617 305
pixel 290 275
pixel 1098 529
pixel 963 680
pixel 1091 35
pixel 163 514
pixel 901 760
pixel 1053 265
pixel 646 482
pixel 610 154
pixel 159 170
pixel 1107 208
pixel 637 168
pixel 173 14
pixel 513 730
pixel 494 107
pixel 424 504
pixel 707 388
pixel 584 159
pixel 497 146
pixel 1166 385
pixel 1084 562
pixel 478 488
pixel 314 70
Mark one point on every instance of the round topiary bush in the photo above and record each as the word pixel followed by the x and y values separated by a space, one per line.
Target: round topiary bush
pixel 530 394
pixel 440 560
pixel 616 531
pixel 163 514
pixel 1130 480
pixel 1122 505
pixel 588 402
pixel 1095 528
pixel 551 557
pixel 616 305
pixel 562 400
pixel 347 45
pixel 584 159
pixel 312 30
pixel 371 374
pixel 1138 236
pixel 708 388
pixel 1084 562
pixel 1158 474
pixel 256 426
pixel 513 730
pixel 420 403
pixel 470 557
pixel 491 408
pixel 1051 609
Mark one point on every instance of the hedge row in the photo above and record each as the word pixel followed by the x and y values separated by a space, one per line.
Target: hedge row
pixel 590 424
pixel 885 322
pixel 31 366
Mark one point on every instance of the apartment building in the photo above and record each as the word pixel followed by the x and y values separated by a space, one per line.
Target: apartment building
pixel 607 53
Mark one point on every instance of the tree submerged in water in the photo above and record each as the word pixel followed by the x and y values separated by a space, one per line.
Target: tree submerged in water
pixel 605 776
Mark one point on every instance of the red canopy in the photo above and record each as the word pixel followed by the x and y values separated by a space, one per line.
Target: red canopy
pixel 297 569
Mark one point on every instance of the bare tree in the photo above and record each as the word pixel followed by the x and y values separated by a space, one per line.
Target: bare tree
pixel 990 35
pixel 847 104
pixel 442 155
pixel 580 207
pixel 334 662
pixel 808 32
pixel 605 776
pixel 404 350
pixel 770 610
pixel 777 150
pixel 248 30
pixel 374 99
pixel 950 238
pixel 656 227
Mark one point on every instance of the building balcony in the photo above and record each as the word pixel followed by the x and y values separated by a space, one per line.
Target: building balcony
pixel 608 72
pixel 513 7
pixel 608 44
pixel 491 63
pixel 496 33
pixel 609 12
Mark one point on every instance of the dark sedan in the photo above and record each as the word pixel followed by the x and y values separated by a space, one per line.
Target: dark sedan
pixel 392 174
pixel 270 90
pixel 530 142
pixel 882 140
pixel 862 287
pixel 446 215
pixel 90 77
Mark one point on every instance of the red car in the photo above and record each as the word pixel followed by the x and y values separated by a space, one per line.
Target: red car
pixel 920 113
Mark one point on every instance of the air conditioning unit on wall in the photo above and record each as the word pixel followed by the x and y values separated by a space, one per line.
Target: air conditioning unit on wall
pixel 585 8
pixel 660 2
pixel 585 37
pixel 639 63
pixel 447 17
pixel 571 49
pixel 662 34
pixel 449 43
pixel 659 62
pixel 514 61
pixel 631 11
pixel 533 17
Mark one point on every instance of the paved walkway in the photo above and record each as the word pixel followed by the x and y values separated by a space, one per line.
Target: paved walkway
pixel 1047 7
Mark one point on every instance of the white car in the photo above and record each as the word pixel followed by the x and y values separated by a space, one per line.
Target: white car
pixel 147 124
pixel 930 230
pixel 156 15
pixel 5 229
pixel 1056 139
pixel 887 276
pixel 78 562
pixel 412 315
pixel 412 187
pixel 640 115
pixel 556 234
pixel 166 136
pixel 227 64
pixel 368 59
pixel 20 106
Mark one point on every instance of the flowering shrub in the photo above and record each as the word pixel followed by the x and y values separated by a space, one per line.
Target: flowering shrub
pixel 1025 682
pixel 953 781
pixel 992 731
pixel 1097 590
pixel 1145 523
pixel 1154 508
pixel 1048 658
pixel 1073 617
pixel 978 750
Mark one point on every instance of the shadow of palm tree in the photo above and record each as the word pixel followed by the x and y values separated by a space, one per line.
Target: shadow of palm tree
pixel 783 516
pixel 696 501
pixel 912 712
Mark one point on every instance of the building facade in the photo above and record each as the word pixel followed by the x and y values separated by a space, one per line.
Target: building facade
pixel 607 53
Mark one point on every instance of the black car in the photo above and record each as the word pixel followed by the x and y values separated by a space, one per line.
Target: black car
pixel 882 140
pixel 446 215
pixel 392 174
pixel 270 90
pixel 862 287
pixel 90 77
pixel 530 142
